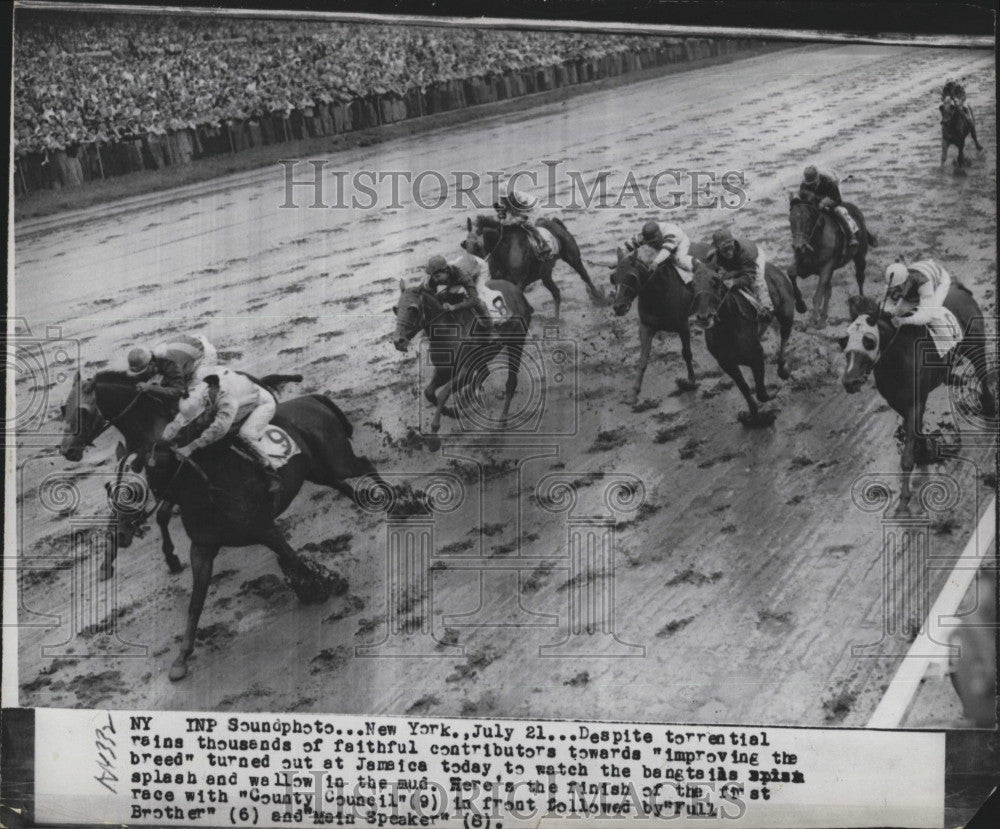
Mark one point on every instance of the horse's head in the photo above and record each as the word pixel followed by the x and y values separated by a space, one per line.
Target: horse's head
pixel 627 278
pixel 861 347
pixel 81 419
pixel 709 291
pixel 474 242
pixel 802 218
pixel 409 311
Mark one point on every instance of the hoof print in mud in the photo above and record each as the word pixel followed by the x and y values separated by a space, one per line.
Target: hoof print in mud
pixel 760 420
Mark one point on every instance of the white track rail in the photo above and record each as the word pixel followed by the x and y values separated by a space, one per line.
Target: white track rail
pixel 898 697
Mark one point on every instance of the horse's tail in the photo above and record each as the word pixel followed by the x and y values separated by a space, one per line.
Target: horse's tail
pixel 557 221
pixel 333 407
pixel 872 239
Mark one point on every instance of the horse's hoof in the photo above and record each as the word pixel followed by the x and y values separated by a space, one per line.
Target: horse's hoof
pixel 178 671
pixel 762 396
pixel 433 442
pixel 175 567
pixel 783 372
pixel 801 307
pixel 685 385
pixel 902 510
pixel 631 400
pixel 106 573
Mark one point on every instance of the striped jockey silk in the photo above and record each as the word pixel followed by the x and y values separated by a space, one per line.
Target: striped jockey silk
pixel 930 271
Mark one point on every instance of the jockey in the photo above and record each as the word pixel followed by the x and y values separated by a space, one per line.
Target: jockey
pixel 823 190
pixel 227 398
pixel 670 242
pixel 458 276
pixel 917 291
pixel 174 361
pixel 953 96
pixel 745 263
pixel 514 210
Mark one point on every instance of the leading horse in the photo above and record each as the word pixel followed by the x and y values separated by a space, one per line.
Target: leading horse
pixel 225 503
pixel 906 366
pixel 459 350
pixel 511 255
pixel 820 247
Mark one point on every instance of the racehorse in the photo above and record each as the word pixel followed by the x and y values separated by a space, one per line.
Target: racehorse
pixel 820 247
pixel 459 350
pixel 955 128
pixel 903 376
pixel 511 256
pixel 110 399
pixel 225 503
pixel 664 305
pixel 732 334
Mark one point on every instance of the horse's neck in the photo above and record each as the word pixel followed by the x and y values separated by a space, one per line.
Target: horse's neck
pixel 139 424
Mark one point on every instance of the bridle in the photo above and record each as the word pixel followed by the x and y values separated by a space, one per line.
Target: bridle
pixel 726 293
pixel 816 225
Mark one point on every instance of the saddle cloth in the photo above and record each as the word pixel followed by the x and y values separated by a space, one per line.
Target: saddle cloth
pixel 499 312
pixel 278 446
pixel 945 330
pixel 551 242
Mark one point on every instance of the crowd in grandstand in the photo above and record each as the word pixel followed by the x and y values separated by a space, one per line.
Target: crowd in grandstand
pixel 98 78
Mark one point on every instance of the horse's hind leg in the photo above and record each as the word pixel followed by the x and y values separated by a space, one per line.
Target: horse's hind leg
pixel 441 376
pixel 304 582
pixel 202 559
pixel 860 265
pixel 786 331
pixel 645 346
pixel 944 151
pixel 690 384
pixel 571 256
pixel 163 515
pixel 547 281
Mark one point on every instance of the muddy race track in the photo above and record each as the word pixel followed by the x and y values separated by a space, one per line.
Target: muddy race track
pixel 747 573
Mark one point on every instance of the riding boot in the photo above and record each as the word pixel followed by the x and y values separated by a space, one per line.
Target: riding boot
pixel 264 463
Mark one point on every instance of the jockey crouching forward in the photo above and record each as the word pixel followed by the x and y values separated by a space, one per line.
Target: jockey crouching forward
pixel 670 242
pixel 514 210
pixel 229 400
pixel 458 277
pixel 917 291
pixel 174 363
pixel 745 264
pixel 953 97
pixel 823 190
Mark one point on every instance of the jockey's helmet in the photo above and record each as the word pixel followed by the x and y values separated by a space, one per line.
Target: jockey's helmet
pixel 139 359
pixel 517 202
pixel 651 233
pixel 722 239
pixel 896 275
pixel 436 264
pixel 810 174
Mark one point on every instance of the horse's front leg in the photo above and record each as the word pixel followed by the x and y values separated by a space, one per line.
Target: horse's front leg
pixel 110 554
pixel 691 383
pixel 440 376
pixel 733 370
pixel 163 516
pixel 944 151
pixel 821 299
pixel 645 347
pixel 442 397
pixel 907 461
pixel 514 352
pixel 785 325
pixel 202 559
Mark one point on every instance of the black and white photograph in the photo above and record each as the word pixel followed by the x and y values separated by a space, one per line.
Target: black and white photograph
pixel 500 370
